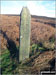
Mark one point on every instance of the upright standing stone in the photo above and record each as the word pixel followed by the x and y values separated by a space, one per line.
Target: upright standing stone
pixel 25 28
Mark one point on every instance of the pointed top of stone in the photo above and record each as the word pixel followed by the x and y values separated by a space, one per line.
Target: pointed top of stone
pixel 25 9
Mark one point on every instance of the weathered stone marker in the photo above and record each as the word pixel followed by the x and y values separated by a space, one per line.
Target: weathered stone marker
pixel 25 29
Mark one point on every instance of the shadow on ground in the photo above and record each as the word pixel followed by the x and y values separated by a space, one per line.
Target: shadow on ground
pixel 14 51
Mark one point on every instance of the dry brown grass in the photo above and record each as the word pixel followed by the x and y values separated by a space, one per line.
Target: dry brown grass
pixel 42 61
pixel 39 30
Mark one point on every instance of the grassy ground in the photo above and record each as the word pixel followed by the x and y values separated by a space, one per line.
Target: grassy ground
pixel 8 65
pixel 9 59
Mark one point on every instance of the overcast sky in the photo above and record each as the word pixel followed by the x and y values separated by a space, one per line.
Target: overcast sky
pixel 40 8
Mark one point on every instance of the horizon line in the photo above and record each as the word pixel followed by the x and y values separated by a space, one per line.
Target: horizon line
pixel 31 15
